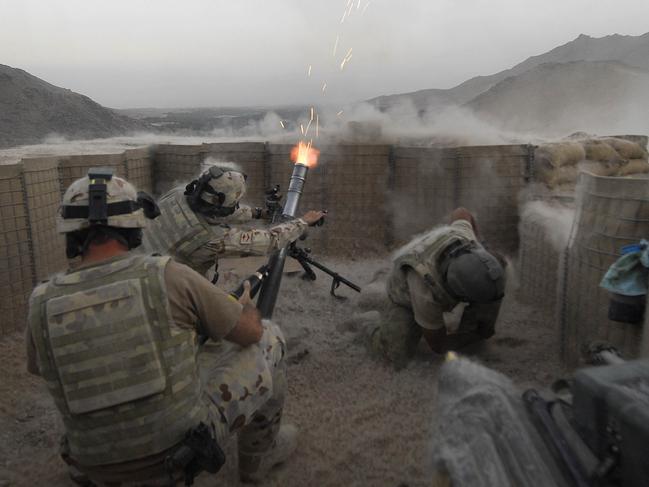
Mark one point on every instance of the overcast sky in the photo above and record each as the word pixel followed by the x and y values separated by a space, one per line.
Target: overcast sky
pixel 164 53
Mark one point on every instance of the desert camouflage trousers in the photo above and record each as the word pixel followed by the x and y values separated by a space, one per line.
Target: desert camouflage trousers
pixel 247 387
pixel 244 388
pixel 396 337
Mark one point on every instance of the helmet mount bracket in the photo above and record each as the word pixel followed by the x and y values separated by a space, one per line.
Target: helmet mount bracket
pixel 98 196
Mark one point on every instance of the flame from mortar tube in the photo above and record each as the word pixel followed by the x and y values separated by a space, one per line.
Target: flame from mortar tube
pixel 305 154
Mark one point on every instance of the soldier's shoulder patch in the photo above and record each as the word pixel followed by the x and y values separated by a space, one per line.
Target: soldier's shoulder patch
pixel 246 237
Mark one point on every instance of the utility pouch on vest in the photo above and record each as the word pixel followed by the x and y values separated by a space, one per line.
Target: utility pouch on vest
pixel 199 451
pixel 103 347
pixel 450 251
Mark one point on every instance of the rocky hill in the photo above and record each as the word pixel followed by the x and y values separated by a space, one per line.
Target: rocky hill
pixel 31 109
pixel 556 99
pixel 630 50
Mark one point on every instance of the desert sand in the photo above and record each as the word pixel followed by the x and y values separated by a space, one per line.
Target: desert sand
pixel 361 422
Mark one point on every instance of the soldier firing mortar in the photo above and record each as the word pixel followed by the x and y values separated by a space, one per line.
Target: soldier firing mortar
pixel 115 340
pixel 203 221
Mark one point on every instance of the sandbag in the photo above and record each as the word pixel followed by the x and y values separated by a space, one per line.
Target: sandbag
pixel 626 148
pixel 599 168
pixel 597 150
pixel 560 154
pixel 556 176
pixel 634 166
pixel 641 140
pixel 578 136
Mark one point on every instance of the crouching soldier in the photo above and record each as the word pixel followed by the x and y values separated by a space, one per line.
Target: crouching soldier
pixel 205 221
pixel 431 276
pixel 115 339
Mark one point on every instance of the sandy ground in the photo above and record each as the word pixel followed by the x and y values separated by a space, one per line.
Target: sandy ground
pixel 361 422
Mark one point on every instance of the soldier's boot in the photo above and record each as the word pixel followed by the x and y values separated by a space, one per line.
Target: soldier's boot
pixel 255 463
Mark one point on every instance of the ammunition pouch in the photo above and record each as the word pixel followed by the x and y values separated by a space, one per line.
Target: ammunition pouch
pixel 198 452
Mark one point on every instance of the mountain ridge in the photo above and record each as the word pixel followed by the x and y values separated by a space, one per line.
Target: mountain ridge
pixel 559 98
pixel 31 109
pixel 634 51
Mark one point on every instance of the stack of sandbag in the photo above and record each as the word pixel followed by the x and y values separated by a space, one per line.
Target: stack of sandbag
pixel 558 164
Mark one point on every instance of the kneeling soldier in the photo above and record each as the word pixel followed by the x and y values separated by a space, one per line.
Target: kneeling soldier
pixel 430 276
pixel 205 221
pixel 115 339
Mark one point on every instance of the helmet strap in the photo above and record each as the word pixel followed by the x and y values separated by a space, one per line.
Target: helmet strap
pixel 201 185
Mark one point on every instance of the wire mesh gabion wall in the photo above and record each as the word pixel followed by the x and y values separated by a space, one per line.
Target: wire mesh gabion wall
pixel 544 231
pixel 378 196
pixel 611 213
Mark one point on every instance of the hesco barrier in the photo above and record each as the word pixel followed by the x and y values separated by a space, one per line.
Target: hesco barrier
pixel 611 213
pixel 544 230
pixel 378 196
pixel 16 257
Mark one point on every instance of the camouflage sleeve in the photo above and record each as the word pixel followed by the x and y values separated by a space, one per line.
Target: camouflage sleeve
pixel 259 241
pixel 242 214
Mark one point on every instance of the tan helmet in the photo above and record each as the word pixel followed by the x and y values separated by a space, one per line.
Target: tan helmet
pixel 101 199
pixel 223 188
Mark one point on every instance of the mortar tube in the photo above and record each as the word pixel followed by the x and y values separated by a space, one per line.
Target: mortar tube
pixel 270 288
pixel 295 187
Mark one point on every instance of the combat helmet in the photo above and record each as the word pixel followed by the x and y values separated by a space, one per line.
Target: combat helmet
pixel 102 201
pixel 100 198
pixel 474 275
pixel 217 192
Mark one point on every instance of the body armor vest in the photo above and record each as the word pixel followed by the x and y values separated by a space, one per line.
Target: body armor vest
pixel 422 256
pixel 178 231
pixel 124 378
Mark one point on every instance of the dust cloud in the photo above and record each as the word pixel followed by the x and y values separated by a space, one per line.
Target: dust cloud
pixel 555 220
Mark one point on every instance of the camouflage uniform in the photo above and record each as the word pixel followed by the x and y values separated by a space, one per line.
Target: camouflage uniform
pixel 418 295
pixel 243 214
pixel 129 383
pixel 198 241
